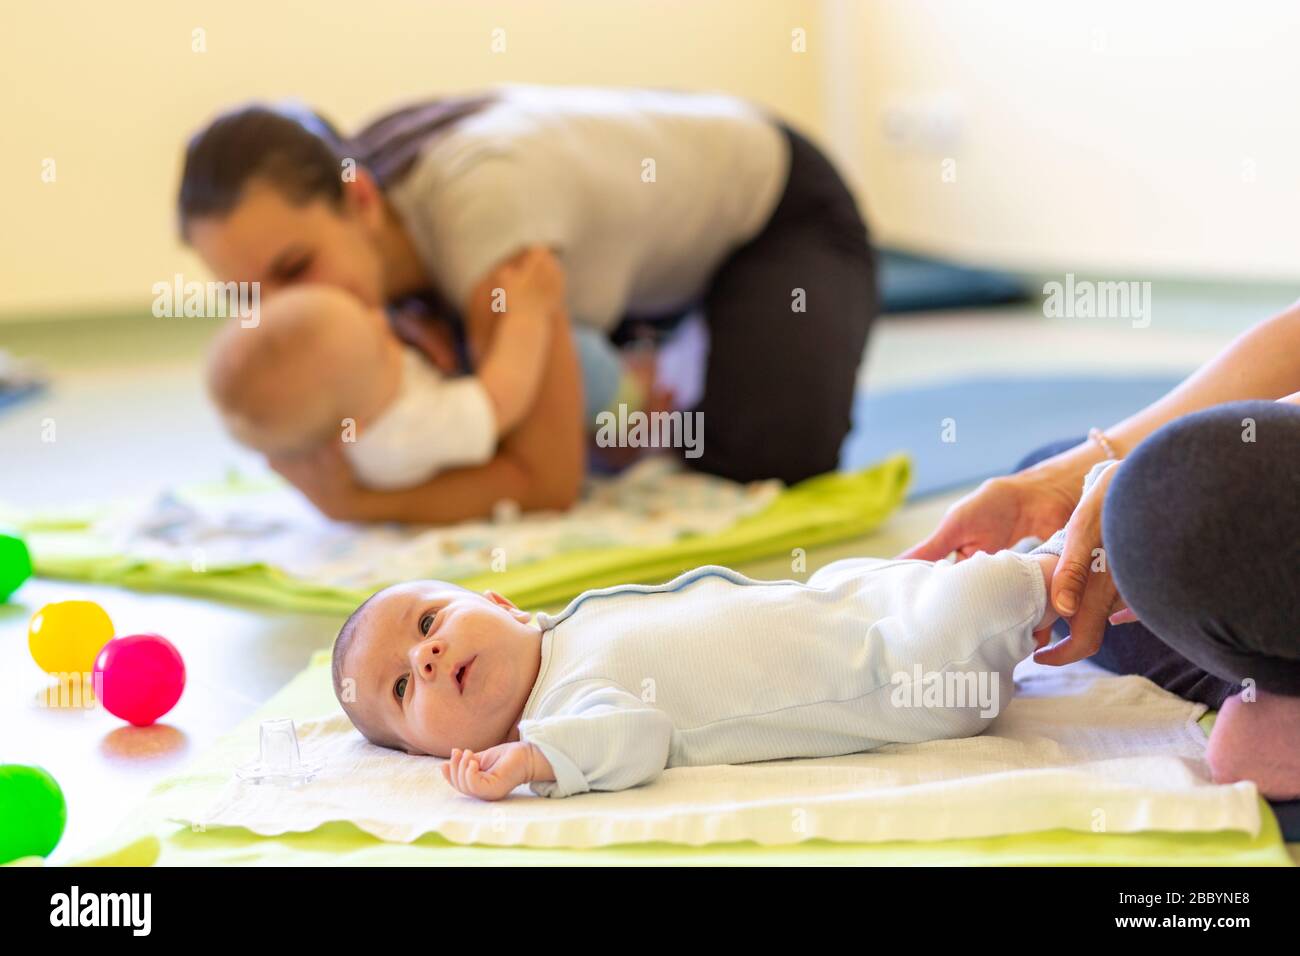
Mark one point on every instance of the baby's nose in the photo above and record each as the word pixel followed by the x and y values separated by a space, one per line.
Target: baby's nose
pixel 427 655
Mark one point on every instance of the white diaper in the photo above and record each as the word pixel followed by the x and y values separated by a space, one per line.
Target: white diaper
pixel 435 423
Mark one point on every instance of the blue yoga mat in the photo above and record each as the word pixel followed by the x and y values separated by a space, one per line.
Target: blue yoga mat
pixel 912 283
pixel 995 422
pixel 13 396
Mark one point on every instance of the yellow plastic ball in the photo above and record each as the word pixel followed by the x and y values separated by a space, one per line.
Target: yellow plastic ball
pixel 67 636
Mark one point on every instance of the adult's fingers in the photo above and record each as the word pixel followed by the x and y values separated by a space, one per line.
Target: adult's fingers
pixel 946 539
pixel 974 523
pixel 1082 538
pixel 1083 545
pixel 1043 637
pixel 950 536
pixel 1088 627
pixel 1084 640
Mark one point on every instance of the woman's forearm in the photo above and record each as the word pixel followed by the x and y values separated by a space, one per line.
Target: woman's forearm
pixel 539 466
pixel 512 371
pixel 1261 363
pixel 511 349
pixel 464 494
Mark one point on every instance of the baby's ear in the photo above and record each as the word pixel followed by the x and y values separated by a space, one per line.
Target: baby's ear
pixel 500 600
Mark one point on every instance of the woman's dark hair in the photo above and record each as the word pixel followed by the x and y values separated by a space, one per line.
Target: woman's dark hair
pixel 300 153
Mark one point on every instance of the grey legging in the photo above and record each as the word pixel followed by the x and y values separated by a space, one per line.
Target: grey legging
pixel 1202 534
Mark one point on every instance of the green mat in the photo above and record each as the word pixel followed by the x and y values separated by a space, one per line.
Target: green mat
pixel 827 508
pixel 147 835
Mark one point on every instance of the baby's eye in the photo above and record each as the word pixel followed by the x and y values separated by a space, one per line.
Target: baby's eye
pixel 400 688
pixel 426 622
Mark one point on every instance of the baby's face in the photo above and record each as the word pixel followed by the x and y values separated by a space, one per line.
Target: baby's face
pixel 317 358
pixel 434 666
pixel 289 421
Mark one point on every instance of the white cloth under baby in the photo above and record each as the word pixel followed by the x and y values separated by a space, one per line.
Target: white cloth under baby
pixel 1077 748
pixel 433 424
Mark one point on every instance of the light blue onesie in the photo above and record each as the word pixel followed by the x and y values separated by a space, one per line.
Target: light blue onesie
pixel 716 668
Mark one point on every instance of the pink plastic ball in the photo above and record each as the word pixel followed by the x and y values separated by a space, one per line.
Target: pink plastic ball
pixel 139 677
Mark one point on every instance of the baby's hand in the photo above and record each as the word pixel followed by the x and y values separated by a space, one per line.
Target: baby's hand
pixel 533 281
pixel 490 774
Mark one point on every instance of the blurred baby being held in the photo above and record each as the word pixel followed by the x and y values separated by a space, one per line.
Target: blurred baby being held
pixel 320 366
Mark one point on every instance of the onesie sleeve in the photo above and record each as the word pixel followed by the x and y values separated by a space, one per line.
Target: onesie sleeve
pixel 434 425
pixel 973 616
pixel 463 424
pixel 604 739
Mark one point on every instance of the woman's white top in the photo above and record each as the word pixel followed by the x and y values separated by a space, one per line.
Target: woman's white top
pixel 642 192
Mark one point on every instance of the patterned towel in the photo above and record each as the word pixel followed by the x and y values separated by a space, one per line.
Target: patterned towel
pixel 261 541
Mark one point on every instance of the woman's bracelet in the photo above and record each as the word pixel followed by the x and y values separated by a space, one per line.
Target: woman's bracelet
pixel 1099 436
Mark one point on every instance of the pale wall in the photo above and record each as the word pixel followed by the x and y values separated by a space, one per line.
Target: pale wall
pixel 1145 137
pixel 1154 138
pixel 111 90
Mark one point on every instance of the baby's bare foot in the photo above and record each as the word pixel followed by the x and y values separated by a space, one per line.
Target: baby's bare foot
pixel 1258 740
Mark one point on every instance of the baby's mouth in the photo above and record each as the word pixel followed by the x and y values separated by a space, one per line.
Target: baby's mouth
pixel 462 672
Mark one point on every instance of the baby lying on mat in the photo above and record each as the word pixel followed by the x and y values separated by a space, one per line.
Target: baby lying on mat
pixel 710 668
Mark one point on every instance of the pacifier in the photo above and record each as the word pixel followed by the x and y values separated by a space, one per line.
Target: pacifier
pixel 280 761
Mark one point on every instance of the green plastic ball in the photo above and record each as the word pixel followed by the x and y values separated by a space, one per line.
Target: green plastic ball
pixel 15 564
pixel 32 812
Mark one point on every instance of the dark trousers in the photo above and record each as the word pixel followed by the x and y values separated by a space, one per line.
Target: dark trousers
pixel 788 315
pixel 1202 533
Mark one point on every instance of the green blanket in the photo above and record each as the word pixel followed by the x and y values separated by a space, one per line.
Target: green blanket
pixel 147 836
pixel 820 510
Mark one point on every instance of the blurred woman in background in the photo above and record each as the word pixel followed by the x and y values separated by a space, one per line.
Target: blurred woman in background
pixel 653 203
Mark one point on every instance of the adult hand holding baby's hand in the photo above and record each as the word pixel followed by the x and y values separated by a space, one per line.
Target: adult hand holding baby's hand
pixel 999 513
pixel 1083 589
pixel 489 774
